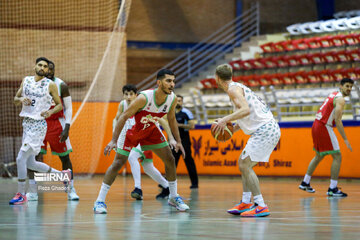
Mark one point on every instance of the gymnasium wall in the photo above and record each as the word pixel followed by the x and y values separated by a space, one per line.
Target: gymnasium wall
pixel 290 158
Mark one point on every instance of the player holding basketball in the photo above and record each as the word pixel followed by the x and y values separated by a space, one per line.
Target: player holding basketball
pixel 35 94
pixel 146 158
pixel 324 139
pixel 149 104
pixel 254 117
pixel 57 135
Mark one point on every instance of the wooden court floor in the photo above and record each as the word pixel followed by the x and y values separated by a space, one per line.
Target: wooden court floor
pixel 294 214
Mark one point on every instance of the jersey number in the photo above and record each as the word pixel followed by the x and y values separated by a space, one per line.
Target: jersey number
pixel 32 103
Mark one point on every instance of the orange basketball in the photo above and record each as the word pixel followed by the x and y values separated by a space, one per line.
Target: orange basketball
pixel 228 132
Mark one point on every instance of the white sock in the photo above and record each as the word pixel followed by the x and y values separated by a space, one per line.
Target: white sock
pixel 54 170
pixel 135 168
pixel 307 179
pixel 72 183
pixel 259 200
pixel 173 189
pixel 333 183
pixel 21 187
pixel 32 186
pixel 151 171
pixel 246 197
pixel 103 191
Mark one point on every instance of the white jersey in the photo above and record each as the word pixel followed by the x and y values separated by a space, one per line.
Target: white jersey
pixel 260 113
pixel 58 83
pixel 38 93
pixel 131 121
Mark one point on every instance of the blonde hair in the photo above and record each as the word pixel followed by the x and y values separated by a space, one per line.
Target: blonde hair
pixel 224 72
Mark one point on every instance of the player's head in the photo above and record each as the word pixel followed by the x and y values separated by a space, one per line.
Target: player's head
pixel 179 103
pixel 165 79
pixel 51 71
pixel 129 92
pixel 346 85
pixel 223 73
pixel 41 66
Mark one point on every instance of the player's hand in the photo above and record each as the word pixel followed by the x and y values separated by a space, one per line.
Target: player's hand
pixel 172 143
pixel 220 126
pixel 26 101
pixel 64 135
pixel 348 145
pixel 45 114
pixel 109 147
pixel 180 147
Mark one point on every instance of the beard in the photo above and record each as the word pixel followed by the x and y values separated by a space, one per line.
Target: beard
pixel 178 106
pixel 40 73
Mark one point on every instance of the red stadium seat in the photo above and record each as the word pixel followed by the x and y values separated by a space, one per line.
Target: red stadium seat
pixel 300 44
pixel 313 77
pixel 270 62
pixel 209 83
pixel 267 47
pixel 235 64
pixel 276 79
pixel 288 45
pixel 294 60
pixel 326 76
pixel 326 41
pixel 313 42
pixel 343 56
pixel 330 57
pixel 352 39
pixel 316 58
pixel 282 61
pixel 301 77
pixel 288 78
pixel 264 80
pixel 339 40
pixel 354 55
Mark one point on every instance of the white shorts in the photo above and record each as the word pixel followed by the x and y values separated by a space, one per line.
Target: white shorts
pixel 262 142
pixel 34 132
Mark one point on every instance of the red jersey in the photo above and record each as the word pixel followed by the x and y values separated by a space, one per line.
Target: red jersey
pixel 326 113
pixel 144 118
pixel 59 114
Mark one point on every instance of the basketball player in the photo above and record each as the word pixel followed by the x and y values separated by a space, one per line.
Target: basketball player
pixel 57 135
pixel 35 94
pixel 129 93
pixel 254 117
pixel 324 139
pixel 149 104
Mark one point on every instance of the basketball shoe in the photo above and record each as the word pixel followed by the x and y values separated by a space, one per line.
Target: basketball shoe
pixel 164 193
pixel 178 203
pixel 100 208
pixel 335 192
pixel 306 187
pixel 256 211
pixel 32 196
pixel 72 196
pixel 19 199
pixel 240 208
pixel 137 194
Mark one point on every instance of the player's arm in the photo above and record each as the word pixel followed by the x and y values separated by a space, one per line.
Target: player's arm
pixel 53 90
pixel 175 129
pixel 339 107
pixel 166 127
pixel 19 99
pixel 65 95
pixel 236 95
pixel 118 113
pixel 133 108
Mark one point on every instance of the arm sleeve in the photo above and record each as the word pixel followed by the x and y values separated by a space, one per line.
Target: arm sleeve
pixel 67 109
pixel 188 113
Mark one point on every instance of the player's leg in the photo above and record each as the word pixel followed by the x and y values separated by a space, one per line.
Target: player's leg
pixel 176 156
pixel 245 203
pixel 66 164
pixel 136 173
pixel 170 171
pixel 305 184
pixel 21 160
pixel 109 178
pixel 190 165
pixel 154 173
pixel 258 149
pixel 333 190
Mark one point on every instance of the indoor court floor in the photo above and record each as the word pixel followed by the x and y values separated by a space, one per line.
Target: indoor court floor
pixel 295 214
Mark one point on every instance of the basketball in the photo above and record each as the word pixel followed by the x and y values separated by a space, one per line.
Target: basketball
pixel 228 132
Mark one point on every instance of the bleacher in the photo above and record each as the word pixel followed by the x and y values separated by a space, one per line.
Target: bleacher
pixel 293 76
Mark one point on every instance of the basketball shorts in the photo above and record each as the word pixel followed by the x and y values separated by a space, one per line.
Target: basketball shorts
pixel 150 139
pixel 54 129
pixel 143 156
pixel 262 142
pixel 324 139
pixel 34 132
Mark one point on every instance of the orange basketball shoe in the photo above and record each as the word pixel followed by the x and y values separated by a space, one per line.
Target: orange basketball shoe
pixel 257 211
pixel 241 207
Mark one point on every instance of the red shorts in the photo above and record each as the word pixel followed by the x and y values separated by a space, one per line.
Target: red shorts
pixel 54 129
pixel 324 139
pixel 149 140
